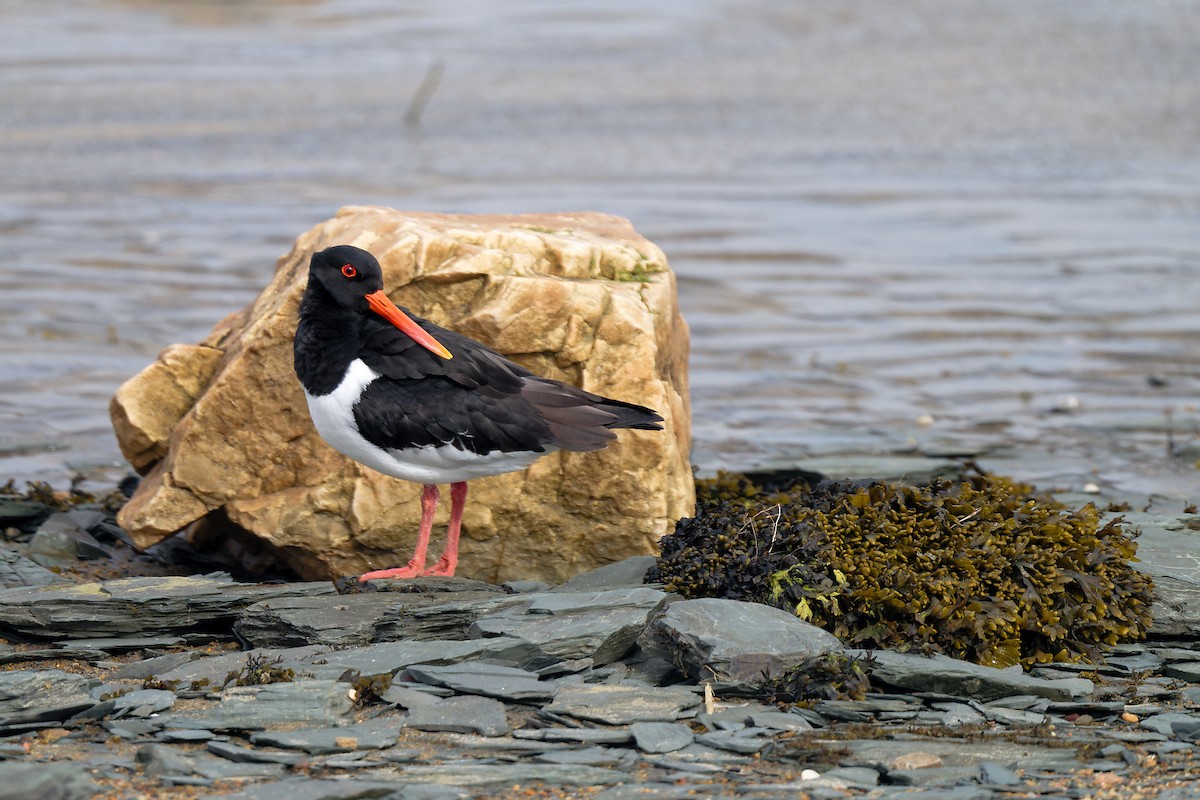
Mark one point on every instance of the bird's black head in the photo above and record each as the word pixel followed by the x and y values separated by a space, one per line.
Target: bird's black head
pixel 347 274
pixel 351 278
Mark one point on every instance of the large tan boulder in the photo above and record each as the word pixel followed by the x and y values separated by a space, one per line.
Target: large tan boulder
pixel 222 434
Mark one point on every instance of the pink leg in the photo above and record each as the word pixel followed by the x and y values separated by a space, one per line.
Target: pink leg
pixel 416 566
pixel 449 560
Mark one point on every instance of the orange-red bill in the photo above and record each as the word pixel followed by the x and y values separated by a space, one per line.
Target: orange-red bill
pixel 385 308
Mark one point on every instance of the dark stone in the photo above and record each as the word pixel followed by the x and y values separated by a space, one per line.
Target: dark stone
pixel 409 697
pixel 661 737
pixel 354 619
pixel 165 761
pixel 600 625
pixel 153 667
pixel 315 702
pixel 621 705
pixel 20 781
pixel 184 736
pixel 17 570
pixel 470 714
pixel 28 697
pixel 951 676
pixel 493 680
pixel 734 641
pixel 734 743
pixel 120 644
pixel 374 735
pixel 326 789
pixel 995 774
pixel 137 606
pixel 629 572
pixel 586 735
pixel 447 617
pixel 391 657
pixel 236 752
pixel 61 539
pixel 590 757
pixel 504 776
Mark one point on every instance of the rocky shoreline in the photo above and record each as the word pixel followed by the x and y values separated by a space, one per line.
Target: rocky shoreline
pixel 197 685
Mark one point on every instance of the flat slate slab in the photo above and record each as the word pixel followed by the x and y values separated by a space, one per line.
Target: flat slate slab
pixel 17 570
pixel 622 705
pixel 391 657
pixel 374 735
pixel 137 606
pixel 28 696
pixel 46 781
pixel 601 625
pixel 734 641
pixel 468 714
pixel 493 680
pixel 345 789
pixel 319 702
pixel 940 673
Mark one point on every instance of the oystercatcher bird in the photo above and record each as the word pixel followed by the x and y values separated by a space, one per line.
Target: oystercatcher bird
pixel 418 402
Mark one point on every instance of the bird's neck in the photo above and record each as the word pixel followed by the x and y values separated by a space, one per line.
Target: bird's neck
pixel 328 339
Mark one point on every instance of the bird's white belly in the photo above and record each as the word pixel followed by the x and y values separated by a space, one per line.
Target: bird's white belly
pixel 333 416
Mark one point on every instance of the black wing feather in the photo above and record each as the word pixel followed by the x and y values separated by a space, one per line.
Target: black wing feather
pixel 478 401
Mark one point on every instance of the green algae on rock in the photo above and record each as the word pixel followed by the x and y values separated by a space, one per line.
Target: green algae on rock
pixel 983 569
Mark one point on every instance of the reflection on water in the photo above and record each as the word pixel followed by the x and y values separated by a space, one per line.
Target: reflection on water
pixel 892 234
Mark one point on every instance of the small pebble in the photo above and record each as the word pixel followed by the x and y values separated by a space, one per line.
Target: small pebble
pixel 1129 717
pixel 809 775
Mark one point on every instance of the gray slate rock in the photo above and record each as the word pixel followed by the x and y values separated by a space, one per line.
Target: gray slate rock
pixel 493 680
pixel 469 714
pixel 153 667
pixel 313 702
pixel 622 705
pixel 59 781
pixel 236 752
pixel 355 619
pixel 601 625
pixel 61 539
pixel 407 697
pixel 733 742
pixel 584 735
pixel 734 641
pixel 628 572
pixel 391 657
pixel 28 697
pixel 941 673
pixel 162 760
pixel 325 789
pixel 143 703
pixel 214 670
pixel 661 737
pixel 1172 723
pixel 375 735
pixel 780 721
pixel 137 606
pixel 448 618
pixel 17 570
pixel 504 776
pixel 994 774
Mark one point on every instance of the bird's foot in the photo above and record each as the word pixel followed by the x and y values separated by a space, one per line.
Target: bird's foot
pixel 444 567
pixel 411 570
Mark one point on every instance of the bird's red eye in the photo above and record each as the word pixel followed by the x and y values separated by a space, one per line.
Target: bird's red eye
pixel 349 271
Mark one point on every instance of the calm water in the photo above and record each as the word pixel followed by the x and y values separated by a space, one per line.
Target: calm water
pixel 922 227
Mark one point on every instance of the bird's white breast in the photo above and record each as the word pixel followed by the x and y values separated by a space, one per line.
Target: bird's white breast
pixel 333 416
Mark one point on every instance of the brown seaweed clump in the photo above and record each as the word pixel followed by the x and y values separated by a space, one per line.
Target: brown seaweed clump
pixel 982 569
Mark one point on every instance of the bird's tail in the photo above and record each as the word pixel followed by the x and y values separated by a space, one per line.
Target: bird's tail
pixel 630 415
